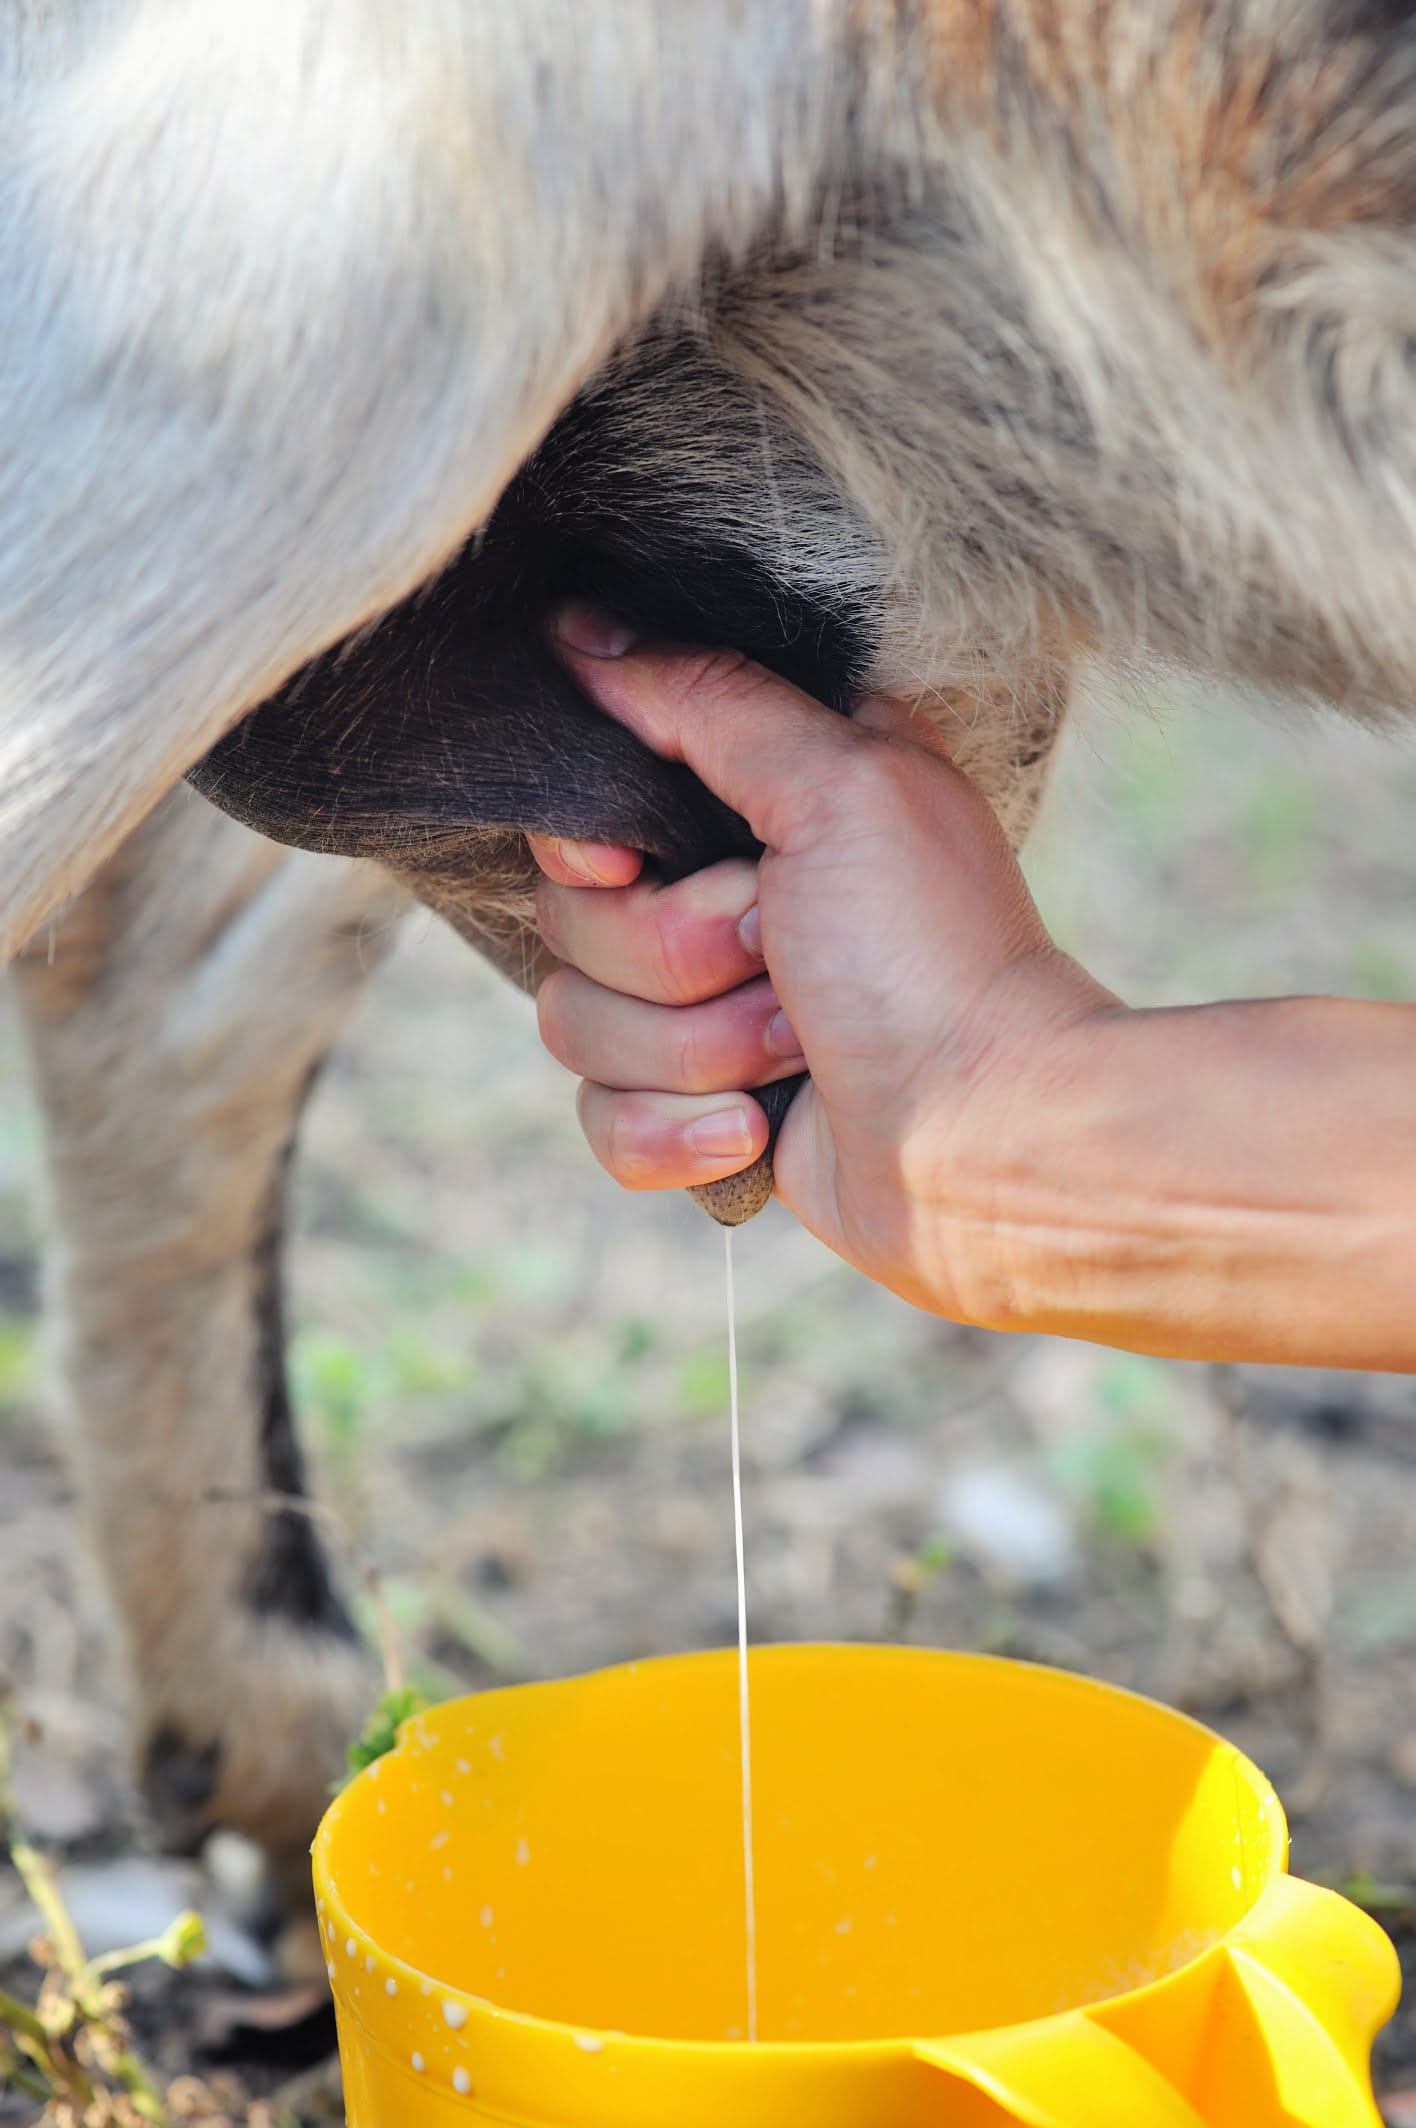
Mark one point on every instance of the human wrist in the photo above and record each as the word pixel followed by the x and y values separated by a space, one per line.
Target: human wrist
pixel 989 1165
pixel 1019 1225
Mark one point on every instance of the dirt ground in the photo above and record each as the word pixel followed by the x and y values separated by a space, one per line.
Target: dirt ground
pixel 513 1380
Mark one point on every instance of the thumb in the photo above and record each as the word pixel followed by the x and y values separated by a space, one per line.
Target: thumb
pixel 758 743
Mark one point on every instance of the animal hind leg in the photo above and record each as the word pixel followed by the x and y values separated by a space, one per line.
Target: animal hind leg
pixel 176 1018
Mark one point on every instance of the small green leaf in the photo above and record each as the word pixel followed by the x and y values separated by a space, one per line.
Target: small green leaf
pixel 380 1731
pixel 182 1940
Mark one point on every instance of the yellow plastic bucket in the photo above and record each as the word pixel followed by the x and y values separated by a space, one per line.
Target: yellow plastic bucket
pixel 986 1893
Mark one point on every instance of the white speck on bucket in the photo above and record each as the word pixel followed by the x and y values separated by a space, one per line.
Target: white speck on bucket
pixel 462 1765
pixel 447 1876
pixel 461 2082
pixel 439 1839
pixel 523 1852
pixel 496 1747
pixel 418 2063
pixel 383 1807
pixel 843 1926
pixel 351 1948
pixel 486 1917
pixel 869 1862
pixel 446 1795
pixel 368 1965
pixel 1238 1878
pixel 454 2016
pixel 330 1969
pixel 390 1986
pixel 589 2043
pixel 329 1929
pixel 427 1984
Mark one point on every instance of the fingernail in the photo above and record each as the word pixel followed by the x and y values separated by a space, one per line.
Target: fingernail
pixel 780 1037
pixel 749 932
pixel 723 1136
pixel 585 627
pixel 579 858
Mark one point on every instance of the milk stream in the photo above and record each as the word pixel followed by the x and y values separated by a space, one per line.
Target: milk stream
pixel 744 1702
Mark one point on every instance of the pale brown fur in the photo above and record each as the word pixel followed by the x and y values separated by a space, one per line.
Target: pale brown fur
pixel 1036 331
pixel 175 1017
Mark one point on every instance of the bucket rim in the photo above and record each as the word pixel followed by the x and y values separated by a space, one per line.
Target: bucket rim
pixel 346 1939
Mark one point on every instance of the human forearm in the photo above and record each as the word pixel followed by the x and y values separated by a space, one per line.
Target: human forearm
pixel 1227 1181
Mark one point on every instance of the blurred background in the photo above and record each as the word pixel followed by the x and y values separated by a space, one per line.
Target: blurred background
pixel 512 1378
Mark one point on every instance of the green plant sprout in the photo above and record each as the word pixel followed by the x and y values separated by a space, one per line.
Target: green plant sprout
pixel 72 2051
pixel 380 1732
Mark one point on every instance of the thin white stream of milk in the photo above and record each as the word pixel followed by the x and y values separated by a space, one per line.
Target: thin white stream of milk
pixel 744 1708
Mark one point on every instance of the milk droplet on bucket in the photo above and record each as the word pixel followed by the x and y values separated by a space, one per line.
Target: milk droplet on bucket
pixel 418 2063
pixel 486 1917
pixel 461 2082
pixel 589 2043
pixel 454 2015
pixel 1238 1877
pixel 495 1746
pixel 350 1948
pixel 523 1852
pixel 439 1839
pixel 368 1965
pixel 330 1969
pixel 446 1794
pixel 390 1986
pixel 462 1766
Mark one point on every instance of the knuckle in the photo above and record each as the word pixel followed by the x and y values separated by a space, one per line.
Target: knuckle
pixel 623 1155
pixel 814 808
pixel 694 1054
pixel 677 959
pixel 707 676
pixel 548 918
pixel 880 769
pixel 553 1019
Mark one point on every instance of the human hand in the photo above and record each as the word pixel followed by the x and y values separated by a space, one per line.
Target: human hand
pixel 885 942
